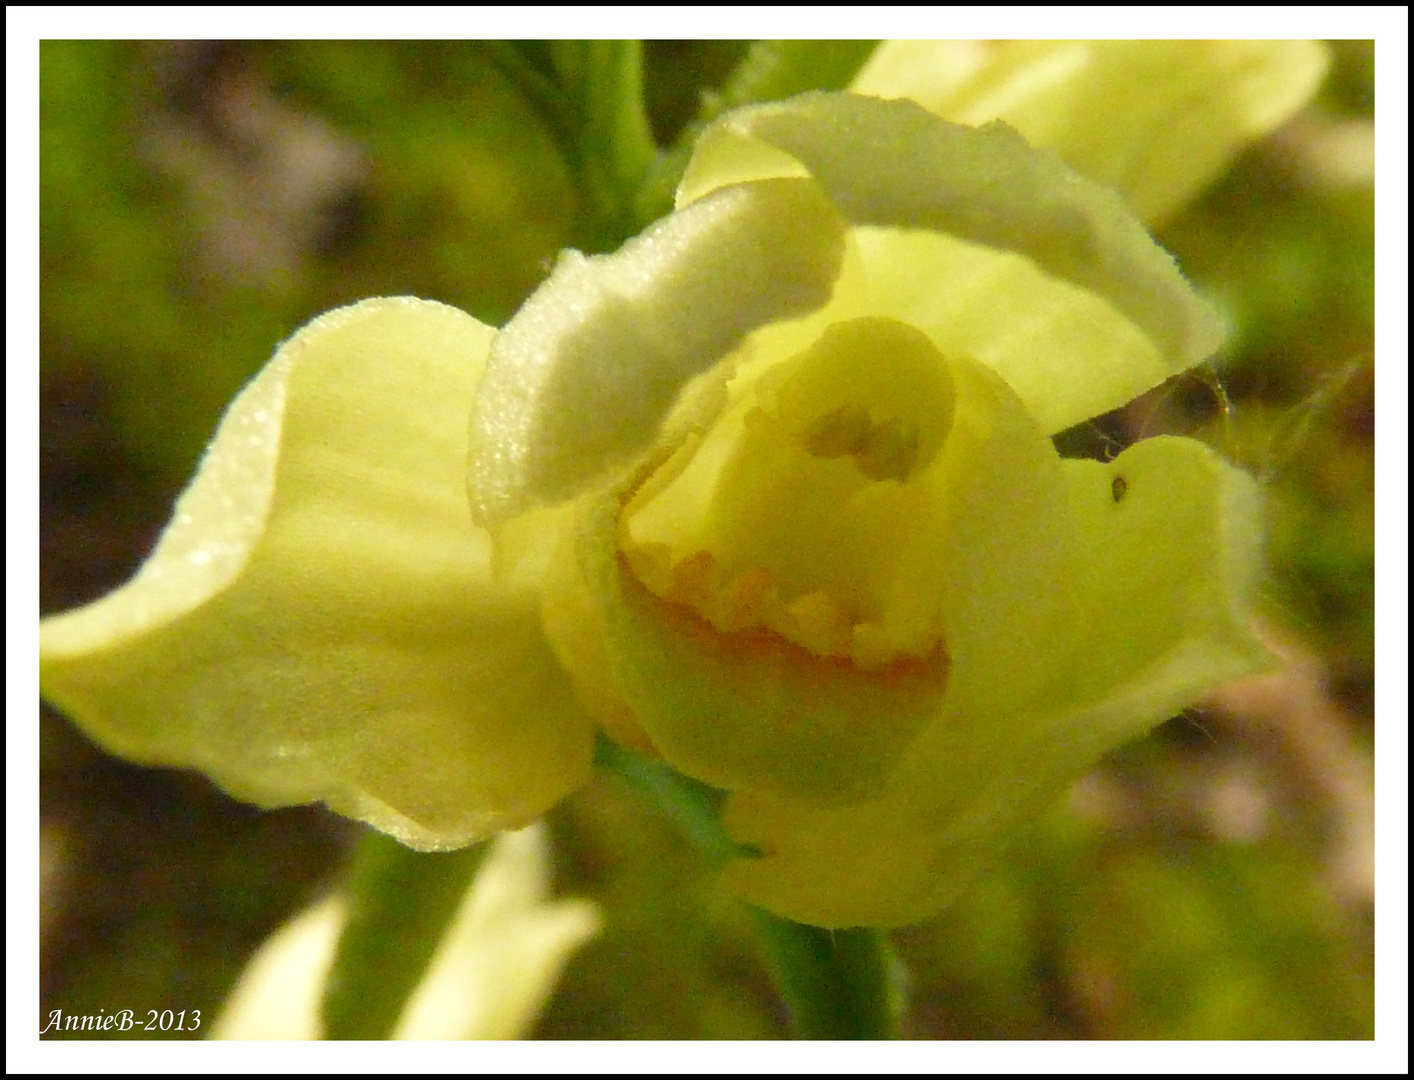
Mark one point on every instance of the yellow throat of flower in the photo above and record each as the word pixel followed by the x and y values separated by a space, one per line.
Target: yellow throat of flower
pixel 806 508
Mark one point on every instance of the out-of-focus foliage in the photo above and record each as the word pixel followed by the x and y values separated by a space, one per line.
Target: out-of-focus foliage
pixel 199 202
pixel 1286 245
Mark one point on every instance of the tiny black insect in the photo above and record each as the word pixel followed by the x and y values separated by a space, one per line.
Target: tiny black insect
pixel 1118 486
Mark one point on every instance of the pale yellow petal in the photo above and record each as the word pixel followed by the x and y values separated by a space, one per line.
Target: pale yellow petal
pixel 892 165
pixel 582 378
pixel 1161 575
pixel 494 969
pixel 320 620
pixel 1155 120
pixel 503 953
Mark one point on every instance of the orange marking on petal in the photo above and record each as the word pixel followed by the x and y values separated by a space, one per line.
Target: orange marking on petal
pixel 693 579
pixel 746 601
pixel 822 623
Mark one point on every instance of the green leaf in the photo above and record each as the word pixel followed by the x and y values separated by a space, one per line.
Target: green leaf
pixel 592 106
pixel 516 62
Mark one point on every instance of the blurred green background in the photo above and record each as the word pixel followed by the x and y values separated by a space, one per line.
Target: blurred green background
pixel 200 201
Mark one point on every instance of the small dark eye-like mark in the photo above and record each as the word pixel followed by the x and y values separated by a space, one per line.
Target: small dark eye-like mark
pixel 1118 486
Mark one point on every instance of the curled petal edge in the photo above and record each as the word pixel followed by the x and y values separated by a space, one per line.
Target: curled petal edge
pixel 321 620
pixel 893 164
pixel 1169 608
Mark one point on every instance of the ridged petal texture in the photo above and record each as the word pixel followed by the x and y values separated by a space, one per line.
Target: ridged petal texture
pixel 320 620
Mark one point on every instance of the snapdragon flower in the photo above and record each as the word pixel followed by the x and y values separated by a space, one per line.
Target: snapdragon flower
pixel 769 493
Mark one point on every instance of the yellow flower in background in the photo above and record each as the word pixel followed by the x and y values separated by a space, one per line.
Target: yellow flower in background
pixel 495 968
pixel 770 492
pixel 1155 120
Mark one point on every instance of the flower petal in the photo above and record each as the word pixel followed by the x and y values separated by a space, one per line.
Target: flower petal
pixel 1171 546
pixel 494 969
pixel 974 546
pixel 1164 618
pixel 1155 120
pixel 320 620
pixel 894 164
pixel 749 708
pixel 277 995
pixel 582 377
pixel 498 963
pixel 1064 350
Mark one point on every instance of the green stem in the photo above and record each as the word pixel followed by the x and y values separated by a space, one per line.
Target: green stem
pixel 836 983
pixel 591 105
pixel 616 147
pixel 689 804
pixel 771 70
pixel 544 97
pixel 400 904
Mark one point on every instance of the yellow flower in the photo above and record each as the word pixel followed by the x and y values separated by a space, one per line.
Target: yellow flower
pixel 319 621
pixel 770 492
pixel 845 575
pixel 495 967
pixel 1155 120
